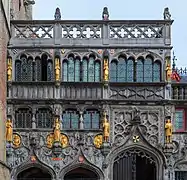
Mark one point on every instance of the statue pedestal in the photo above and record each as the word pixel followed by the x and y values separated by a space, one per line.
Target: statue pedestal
pixel 57 83
pixel 9 149
pixel 105 149
pixel 168 149
pixel 57 149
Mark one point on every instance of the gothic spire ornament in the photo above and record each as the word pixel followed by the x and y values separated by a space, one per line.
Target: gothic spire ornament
pixel 57 15
pixel 105 14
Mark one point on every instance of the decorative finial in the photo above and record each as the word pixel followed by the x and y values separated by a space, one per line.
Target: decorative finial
pixel 174 59
pixel 57 14
pixel 105 14
pixel 167 15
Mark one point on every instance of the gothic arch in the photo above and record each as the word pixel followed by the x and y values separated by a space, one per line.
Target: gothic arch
pixel 84 166
pixel 15 172
pixel 150 152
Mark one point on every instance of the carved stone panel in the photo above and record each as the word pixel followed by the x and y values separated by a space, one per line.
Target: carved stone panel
pixel 152 124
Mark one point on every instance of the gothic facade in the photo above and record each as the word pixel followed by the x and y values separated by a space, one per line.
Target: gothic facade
pixel 94 100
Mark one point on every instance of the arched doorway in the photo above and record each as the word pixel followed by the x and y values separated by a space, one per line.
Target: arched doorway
pixel 34 174
pixel 134 165
pixel 81 174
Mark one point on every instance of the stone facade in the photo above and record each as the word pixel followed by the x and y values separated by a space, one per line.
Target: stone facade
pixel 40 99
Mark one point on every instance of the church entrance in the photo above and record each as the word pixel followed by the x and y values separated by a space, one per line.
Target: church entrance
pixel 81 174
pixel 134 165
pixel 34 174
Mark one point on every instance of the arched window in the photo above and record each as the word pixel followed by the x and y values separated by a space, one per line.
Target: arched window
pixel 91 71
pixel 113 71
pixel 97 71
pixel 38 69
pixel 156 71
pixel 44 118
pixel 18 70
pixel 70 119
pixel 49 70
pixel 25 68
pixel 85 69
pixel 91 119
pixel 130 70
pixel 65 70
pixel 148 70
pixel 77 69
pixel 139 71
pixel 121 70
pixel 71 69
pixel 23 118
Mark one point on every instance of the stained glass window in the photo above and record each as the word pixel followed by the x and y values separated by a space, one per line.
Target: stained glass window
pixel 130 70
pixel 49 71
pixel 85 70
pixel 91 69
pixel 77 70
pixel 18 70
pixel 71 69
pixel 91 120
pixel 156 72
pixel 44 118
pixel 65 71
pixel 97 71
pixel 70 119
pixel 38 69
pixel 23 118
pixel 24 69
pixel 121 70
pixel 179 120
pixel 29 69
pixel 148 70
pixel 139 71
pixel 113 71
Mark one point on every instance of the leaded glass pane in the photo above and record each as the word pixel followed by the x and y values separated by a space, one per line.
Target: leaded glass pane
pixel 66 120
pixel 77 70
pixel 179 120
pixel 29 70
pixel 130 70
pixel 91 120
pixel 87 120
pixel 139 71
pixel 18 70
pixel 65 71
pixel 44 118
pixel 49 71
pixel 95 120
pixel 91 69
pixel 113 71
pixel 180 175
pixel 156 72
pixel 71 69
pixel 121 70
pixel 23 118
pixel 97 71
pixel 24 69
pixel 148 70
pixel 74 120
pixel 85 70
pixel 38 70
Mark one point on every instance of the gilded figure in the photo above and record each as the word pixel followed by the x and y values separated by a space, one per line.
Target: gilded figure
pixel 57 132
pixel 64 141
pixel 50 138
pixel 98 141
pixel 168 72
pixel 16 140
pixel 9 130
pixel 106 129
pixel 168 131
pixel 9 69
pixel 57 69
pixel 106 70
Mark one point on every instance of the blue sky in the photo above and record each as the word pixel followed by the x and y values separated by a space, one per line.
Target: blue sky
pixel 123 9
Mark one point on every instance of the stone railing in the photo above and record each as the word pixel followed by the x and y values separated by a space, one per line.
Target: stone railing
pixel 67 33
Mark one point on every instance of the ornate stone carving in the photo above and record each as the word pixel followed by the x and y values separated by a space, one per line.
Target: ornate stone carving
pixel 16 140
pixel 98 141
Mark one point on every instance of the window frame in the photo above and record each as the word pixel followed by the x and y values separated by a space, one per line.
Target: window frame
pixel 183 129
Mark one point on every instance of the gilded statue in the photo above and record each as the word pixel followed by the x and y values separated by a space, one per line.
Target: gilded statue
pixel 9 130
pixel 98 141
pixel 57 69
pixel 50 139
pixel 106 129
pixel 9 69
pixel 168 72
pixel 64 141
pixel 106 70
pixel 57 132
pixel 16 140
pixel 168 131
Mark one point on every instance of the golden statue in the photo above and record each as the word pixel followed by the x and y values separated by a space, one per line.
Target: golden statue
pixel 168 131
pixel 106 129
pixel 64 141
pixel 16 140
pixel 168 72
pixel 50 138
pixel 106 70
pixel 57 130
pixel 57 69
pixel 9 69
pixel 98 141
pixel 9 130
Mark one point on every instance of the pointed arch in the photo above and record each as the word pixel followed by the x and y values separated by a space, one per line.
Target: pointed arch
pixel 122 70
pixel 148 69
pixel 130 70
pixel 139 70
pixel 157 71
pixel 65 70
pixel 18 76
pixel 85 69
pixel 113 70
pixel 97 70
